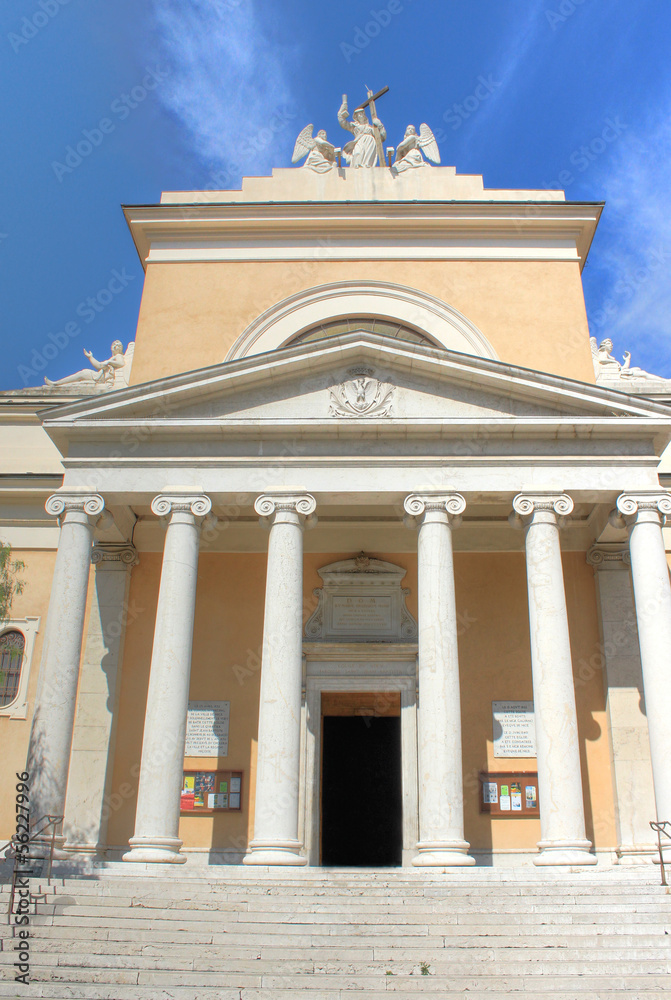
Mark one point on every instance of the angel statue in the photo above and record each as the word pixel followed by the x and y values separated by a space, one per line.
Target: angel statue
pixel 409 150
pixel 365 148
pixel 320 152
pixel 608 367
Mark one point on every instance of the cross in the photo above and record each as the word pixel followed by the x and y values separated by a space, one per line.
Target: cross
pixel 371 103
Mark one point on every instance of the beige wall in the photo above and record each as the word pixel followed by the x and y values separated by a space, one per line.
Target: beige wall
pixel 15 733
pixel 533 313
pixel 495 664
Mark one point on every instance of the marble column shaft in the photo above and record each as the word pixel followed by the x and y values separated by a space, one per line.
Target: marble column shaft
pixel 53 719
pixel 643 514
pixel 156 836
pixel 441 806
pixel 278 763
pixel 562 814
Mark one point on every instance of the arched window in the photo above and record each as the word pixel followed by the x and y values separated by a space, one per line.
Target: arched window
pixel 383 327
pixel 12 648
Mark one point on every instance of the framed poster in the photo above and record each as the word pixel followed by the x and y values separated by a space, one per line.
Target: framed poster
pixel 211 791
pixel 508 794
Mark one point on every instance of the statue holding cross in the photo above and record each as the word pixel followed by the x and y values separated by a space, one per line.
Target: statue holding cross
pixel 365 149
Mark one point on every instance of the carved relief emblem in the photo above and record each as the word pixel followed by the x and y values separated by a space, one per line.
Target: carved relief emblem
pixel 361 395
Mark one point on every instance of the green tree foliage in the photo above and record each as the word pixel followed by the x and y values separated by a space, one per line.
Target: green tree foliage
pixel 10 584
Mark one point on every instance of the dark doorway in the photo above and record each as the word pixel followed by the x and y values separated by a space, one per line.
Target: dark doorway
pixel 361 792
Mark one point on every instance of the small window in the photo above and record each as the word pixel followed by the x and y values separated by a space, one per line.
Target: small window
pixel 339 327
pixel 12 648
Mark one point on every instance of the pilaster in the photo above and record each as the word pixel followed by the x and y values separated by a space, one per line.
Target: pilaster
pixel 90 798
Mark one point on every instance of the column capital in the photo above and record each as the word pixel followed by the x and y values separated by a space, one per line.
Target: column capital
pixel 194 503
pixel 294 503
pixel 654 505
pixel 551 506
pixel 90 504
pixel 123 553
pixel 418 505
pixel 608 557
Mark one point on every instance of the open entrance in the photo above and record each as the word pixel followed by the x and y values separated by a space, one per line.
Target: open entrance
pixel 361 807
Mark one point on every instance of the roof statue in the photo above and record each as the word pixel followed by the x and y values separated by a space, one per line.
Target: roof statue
pixel 608 369
pixel 113 373
pixel 320 152
pixel 409 149
pixel 365 149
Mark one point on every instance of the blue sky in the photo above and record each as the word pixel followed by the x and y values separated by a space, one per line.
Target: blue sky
pixel 529 93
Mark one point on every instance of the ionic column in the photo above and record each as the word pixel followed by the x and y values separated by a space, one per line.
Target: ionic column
pixel 562 814
pixel 51 733
pixel 441 799
pixel 162 764
pixel 644 514
pixel 277 772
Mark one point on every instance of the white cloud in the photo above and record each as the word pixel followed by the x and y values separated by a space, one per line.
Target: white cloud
pixel 227 83
pixel 629 277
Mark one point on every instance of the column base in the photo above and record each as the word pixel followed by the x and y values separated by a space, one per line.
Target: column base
pixel 564 852
pixel 155 851
pixel 274 852
pixel 442 854
pixel 637 854
pixel 41 848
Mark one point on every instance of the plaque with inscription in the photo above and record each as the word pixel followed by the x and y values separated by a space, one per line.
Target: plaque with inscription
pixel 362 613
pixel 514 729
pixel 207 729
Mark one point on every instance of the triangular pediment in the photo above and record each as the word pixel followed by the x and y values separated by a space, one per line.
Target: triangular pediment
pixel 357 382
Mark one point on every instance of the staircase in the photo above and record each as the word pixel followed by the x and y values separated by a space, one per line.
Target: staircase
pixel 233 933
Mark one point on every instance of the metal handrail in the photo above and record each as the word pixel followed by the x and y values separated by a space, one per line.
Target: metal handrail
pixel 661 827
pixel 51 821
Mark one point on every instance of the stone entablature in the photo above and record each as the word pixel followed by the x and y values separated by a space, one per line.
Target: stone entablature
pixel 362 600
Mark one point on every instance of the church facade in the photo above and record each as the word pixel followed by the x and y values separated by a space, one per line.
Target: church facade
pixel 358 562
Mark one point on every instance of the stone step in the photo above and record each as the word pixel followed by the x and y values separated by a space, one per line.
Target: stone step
pixel 140 910
pixel 642 902
pixel 537 985
pixel 368 951
pixel 428 992
pixel 439 966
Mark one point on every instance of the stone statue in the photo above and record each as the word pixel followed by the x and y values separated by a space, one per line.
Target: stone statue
pixel 365 149
pixel 409 150
pixel 321 153
pixel 110 374
pixel 606 367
